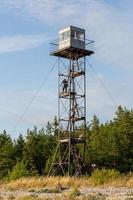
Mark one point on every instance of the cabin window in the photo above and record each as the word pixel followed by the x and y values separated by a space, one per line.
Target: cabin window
pixel 77 35
pixel 65 36
pixel 61 37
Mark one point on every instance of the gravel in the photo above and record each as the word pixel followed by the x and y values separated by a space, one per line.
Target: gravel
pixel 109 193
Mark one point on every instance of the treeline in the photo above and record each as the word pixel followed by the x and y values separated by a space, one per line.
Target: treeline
pixel 110 145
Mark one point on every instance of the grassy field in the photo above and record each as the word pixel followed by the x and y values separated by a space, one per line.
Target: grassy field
pixel 99 177
pixel 67 188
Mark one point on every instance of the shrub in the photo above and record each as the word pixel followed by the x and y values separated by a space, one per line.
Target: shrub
pixel 28 198
pixel 103 176
pixel 18 171
pixel 74 193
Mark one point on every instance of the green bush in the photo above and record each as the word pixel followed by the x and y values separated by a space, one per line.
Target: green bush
pixel 104 175
pixel 18 171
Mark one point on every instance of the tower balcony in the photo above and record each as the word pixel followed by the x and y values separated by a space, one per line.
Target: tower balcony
pixel 76 140
pixel 71 51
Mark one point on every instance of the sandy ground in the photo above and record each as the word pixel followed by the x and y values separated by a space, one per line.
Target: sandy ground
pixel 108 193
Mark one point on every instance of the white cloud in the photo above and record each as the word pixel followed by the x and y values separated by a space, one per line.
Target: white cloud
pixel 20 42
pixel 44 10
pixel 110 26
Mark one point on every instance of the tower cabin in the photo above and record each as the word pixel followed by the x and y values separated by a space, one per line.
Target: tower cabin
pixel 72 37
pixel 72 42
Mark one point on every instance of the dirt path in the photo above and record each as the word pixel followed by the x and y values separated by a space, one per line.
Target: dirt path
pixel 108 193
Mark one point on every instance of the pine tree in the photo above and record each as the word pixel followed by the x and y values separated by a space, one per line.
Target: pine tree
pixel 7 157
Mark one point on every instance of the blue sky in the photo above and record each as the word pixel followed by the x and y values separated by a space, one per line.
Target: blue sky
pixel 27 27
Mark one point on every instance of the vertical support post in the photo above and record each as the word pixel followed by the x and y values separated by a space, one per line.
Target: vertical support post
pixel 69 117
pixel 84 104
pixel 59 108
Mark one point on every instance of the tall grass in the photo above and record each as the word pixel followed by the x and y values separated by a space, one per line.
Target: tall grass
pixel 99 177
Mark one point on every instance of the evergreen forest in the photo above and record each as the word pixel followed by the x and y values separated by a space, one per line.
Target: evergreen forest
pixel 110 146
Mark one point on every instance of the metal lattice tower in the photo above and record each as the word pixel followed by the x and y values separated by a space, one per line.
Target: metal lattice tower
pixel 71 50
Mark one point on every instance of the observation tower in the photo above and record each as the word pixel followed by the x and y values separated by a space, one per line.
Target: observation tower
pixel 71 48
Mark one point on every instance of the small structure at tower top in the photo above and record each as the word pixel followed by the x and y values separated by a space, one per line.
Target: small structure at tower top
pixel 71 43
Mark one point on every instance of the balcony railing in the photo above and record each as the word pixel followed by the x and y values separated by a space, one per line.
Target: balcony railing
pixel 54 46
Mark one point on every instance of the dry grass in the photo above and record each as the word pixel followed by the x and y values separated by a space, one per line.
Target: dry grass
pixel 63 197
pixel 42 182
pixel 122 181
pixel 66 182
